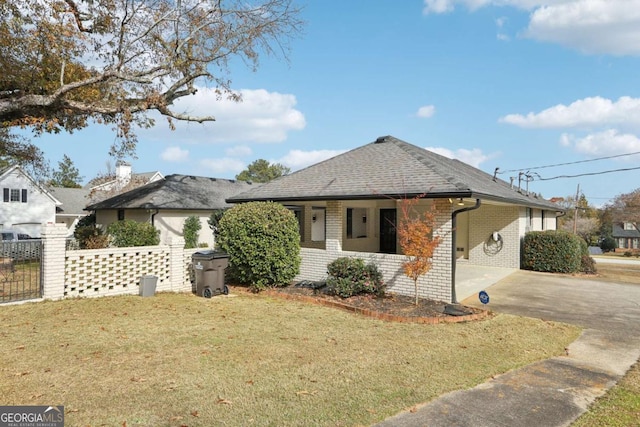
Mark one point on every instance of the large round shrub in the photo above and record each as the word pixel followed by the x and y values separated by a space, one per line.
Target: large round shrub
pixel 553 251
pixel 129 233
pixel 608 244
pixel 263 243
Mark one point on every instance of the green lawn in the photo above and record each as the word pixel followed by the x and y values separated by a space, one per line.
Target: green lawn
pixel 620 407
pixel 176 359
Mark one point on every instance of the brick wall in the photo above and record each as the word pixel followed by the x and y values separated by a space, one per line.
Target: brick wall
pixel 482 249
pixel 111 271
pixel 436 284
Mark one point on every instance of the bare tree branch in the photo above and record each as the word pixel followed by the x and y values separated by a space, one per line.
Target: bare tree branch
pixel 114 61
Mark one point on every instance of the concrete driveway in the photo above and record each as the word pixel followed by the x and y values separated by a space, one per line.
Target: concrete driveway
pixel 553 392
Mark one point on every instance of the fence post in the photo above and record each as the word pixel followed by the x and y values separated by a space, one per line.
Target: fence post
pixel 176 265
pixel 53 260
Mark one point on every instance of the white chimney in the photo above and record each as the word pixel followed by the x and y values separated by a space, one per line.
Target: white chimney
pixel 123 174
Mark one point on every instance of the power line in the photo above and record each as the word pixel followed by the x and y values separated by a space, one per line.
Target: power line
pixel 585 174
pixel 570 163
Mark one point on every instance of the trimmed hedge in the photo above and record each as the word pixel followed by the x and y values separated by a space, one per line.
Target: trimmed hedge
pixel 190 231
pixel 553 251
pixel 128 233
pixel 351 276
pixel 263 243
pixel 608 244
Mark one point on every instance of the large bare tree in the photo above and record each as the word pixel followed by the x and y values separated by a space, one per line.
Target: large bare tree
pixel 626 208
pixel 68 63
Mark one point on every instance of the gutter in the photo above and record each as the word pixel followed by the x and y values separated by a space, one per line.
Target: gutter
pixel 454 216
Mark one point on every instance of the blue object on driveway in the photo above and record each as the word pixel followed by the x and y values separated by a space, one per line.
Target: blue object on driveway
pixel 484 297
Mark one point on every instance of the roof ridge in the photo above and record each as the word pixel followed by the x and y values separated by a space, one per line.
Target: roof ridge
pixel 432 160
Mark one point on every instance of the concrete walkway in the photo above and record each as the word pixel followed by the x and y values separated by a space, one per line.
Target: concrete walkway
pixel 471 279
pixel 552 392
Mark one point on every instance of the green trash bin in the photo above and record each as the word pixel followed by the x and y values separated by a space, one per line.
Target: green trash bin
pixel 208 268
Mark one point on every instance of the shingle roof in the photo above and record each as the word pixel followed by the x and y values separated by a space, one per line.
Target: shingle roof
pixel 619 231
pixel 181 192
pixel 389 167
pixel 73 200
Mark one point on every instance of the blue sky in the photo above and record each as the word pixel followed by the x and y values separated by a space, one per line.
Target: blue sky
pixel 513 84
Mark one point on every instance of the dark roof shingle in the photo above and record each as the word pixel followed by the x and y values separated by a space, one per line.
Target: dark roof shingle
pixel 389 167
pixel 180 192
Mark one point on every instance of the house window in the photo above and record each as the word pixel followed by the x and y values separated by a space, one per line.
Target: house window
pixel 629 226
pixel 120 214
pixel 14 195
pixel 543 220
pixel 356 223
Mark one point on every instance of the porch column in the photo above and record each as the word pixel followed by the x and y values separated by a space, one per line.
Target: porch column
pixel 307 215
pixel 440 274
pixel 334 226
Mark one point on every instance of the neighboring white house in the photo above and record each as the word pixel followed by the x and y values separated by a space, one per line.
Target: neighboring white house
pixel 123 180
pixel 25 205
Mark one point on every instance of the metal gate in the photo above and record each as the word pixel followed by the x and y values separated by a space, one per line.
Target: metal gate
pixel 20 270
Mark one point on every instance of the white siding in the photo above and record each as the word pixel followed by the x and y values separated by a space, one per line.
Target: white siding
pixel 29 216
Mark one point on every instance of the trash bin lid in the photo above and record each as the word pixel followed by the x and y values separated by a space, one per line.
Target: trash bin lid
pixel 210 254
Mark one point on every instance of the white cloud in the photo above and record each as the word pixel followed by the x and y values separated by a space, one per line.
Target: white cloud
pixel 298 159
pixel 426 111
pixel 500 23
pixel 438 6
pixel 607 143
pixel 239 151
pixel 261 117
pixel 223 165
pixel 471 157
pixel 587 112
pixel 590 26
pixel 175 154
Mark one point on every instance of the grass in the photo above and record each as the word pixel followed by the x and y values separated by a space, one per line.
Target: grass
pixel 620 273
pixel 20 281
pixel 620 406
pixel 181 360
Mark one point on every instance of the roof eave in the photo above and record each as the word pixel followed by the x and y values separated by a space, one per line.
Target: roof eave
pixel 426 195
pixel 394 196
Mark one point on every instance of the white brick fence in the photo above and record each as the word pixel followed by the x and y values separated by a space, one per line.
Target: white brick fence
pixel 111 271
pixel 117 271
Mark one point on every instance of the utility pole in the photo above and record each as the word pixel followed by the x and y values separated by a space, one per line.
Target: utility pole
pixel 575 213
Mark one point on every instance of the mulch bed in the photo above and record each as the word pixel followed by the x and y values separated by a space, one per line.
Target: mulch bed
pixel 391 307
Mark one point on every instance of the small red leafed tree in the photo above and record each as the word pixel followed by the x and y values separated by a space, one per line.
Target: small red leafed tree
pixel 415 234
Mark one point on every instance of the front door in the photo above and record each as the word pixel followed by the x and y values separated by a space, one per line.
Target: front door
pixel 388 231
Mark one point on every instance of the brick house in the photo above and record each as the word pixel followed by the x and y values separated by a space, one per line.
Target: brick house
pixel 627 237
pixel 347 206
